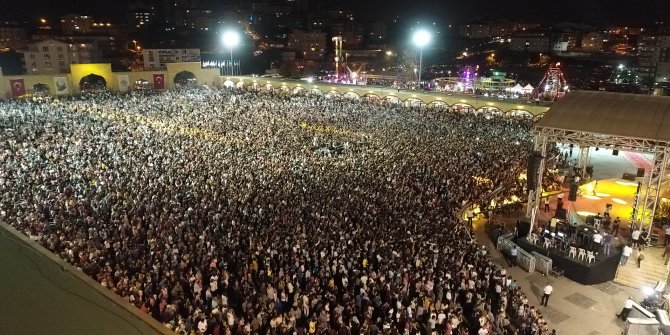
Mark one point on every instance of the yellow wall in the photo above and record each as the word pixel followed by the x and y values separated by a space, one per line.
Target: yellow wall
pixel 31 80
pixel 209 77
pixel 404 95
pixel 104 70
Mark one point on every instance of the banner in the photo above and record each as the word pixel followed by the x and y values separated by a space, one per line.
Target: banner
pixel 124 82
pixel 18 87
pixel 159 81
pixel 61 86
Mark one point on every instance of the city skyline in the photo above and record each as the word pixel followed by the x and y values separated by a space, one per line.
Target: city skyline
pixel 598 12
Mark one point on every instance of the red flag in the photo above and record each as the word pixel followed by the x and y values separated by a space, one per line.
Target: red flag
pixel 18 87
pixel 159 81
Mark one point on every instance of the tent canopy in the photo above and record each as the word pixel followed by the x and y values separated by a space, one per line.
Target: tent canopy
pixel 616 114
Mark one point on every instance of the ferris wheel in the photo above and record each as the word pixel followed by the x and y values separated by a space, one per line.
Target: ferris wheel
pixel 553 85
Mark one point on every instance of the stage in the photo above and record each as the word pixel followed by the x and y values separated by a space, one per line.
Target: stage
pixel 595 195
pixel 602 270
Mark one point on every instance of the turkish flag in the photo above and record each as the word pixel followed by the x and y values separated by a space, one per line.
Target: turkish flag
pixel 159 81
pixel 18 87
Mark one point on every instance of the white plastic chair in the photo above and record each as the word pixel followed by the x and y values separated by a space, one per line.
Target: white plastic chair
pixel 590 257
pixel 582 254
pixel 573 252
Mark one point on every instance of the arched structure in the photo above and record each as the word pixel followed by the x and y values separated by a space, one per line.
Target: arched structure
pixel 41 89
pixel 185 78
pixel 469 102
pixel 351 95
pixel 92 82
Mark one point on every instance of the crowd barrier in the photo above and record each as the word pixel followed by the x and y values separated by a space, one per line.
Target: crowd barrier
pixel 543 264
pixel 524 259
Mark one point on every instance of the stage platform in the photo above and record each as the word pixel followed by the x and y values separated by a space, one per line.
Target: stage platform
pixel 601 271
pixel 595 195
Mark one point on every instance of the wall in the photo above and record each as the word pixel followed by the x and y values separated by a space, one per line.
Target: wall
pixel 77 71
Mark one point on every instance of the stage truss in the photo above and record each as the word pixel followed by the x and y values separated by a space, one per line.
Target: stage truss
pixel 651 182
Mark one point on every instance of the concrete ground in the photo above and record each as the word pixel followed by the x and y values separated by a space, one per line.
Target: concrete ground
pixel 41 296
pixel 573 308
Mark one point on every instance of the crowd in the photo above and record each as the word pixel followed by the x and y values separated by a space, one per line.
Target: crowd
pixel 232 212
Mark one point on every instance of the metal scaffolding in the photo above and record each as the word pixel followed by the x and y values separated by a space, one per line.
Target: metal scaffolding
pixel 651 182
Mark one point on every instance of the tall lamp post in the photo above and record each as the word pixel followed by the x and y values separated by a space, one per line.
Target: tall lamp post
pixel 231 39
pixel 421 38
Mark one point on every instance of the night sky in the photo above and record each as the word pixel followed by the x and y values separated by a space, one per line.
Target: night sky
pixel 600 12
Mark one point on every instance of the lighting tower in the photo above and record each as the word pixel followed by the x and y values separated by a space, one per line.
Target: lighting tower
pixel 338 54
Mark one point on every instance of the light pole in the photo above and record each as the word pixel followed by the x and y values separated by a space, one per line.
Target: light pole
pixel 231 39
pixel 421 38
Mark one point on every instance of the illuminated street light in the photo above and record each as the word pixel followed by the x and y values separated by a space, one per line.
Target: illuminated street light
pixel 231 39
pixel 389 53
pixel 421 38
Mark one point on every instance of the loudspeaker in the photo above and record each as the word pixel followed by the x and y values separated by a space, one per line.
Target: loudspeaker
pixel 629 176
pixel 640 172
pixel 589 170
pixel 615 152
pixel 532 171
pixel 561 213
pixel 523 228
pixel 572 196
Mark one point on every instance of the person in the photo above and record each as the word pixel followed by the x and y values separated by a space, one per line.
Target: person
pixel 470 216
pixel 546 204
pixel 667 234
pixel 627 251
pixel 608 239
pixel 596 242
pixel 547 293
pixel 666 253
pixel 627 307
pixel 199 206
pixel 640 257
pixel 615 227
pixel 512 256
pixel 635 237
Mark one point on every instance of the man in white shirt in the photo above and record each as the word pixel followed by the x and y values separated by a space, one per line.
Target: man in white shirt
pixel 635 236
pixel 627 251
pixel 547 292
pixel 597 240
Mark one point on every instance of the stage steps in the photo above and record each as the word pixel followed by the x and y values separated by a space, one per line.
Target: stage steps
pixel 653 269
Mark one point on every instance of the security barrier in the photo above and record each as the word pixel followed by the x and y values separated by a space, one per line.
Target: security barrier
pixel 543 264
pixel 524 259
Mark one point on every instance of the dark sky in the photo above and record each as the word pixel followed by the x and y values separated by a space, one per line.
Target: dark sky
pixel 601 12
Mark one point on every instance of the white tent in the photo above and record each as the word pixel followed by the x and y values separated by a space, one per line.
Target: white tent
pixel 517 89
pixel 528 89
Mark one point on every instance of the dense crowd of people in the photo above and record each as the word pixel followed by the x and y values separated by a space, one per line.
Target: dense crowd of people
pixel 233 212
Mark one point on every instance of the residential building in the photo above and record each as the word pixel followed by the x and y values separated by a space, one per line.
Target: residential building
pixel 529 41
pixel 157 59
pixel 12 36
pixel 310 44
pixel 646 48
pixel 494 29
pixel 662 60
pixel 140 15
pixel 51 56
pixel 593 42
pixel 75 23
pixel 352 32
